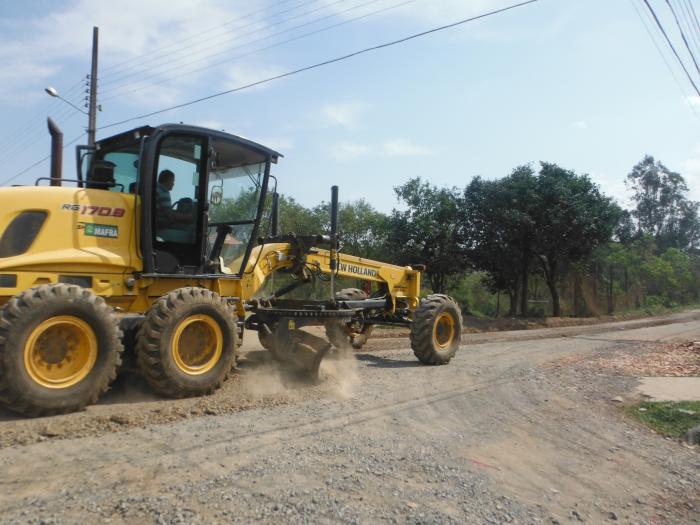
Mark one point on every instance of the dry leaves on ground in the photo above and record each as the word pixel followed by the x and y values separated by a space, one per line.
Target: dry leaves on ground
pixel 662 359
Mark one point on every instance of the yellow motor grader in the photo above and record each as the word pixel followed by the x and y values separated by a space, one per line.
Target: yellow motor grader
pixel 160 236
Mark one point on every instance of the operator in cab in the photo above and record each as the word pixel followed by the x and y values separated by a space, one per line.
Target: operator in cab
pixel 168 218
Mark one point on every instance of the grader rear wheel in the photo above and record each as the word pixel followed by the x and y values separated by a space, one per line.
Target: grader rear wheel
pixel 345 335
pixel 60 347
pixel 187 343
pixel 436 330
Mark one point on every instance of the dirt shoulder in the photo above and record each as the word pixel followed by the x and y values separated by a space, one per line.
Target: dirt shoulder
pixel 477 325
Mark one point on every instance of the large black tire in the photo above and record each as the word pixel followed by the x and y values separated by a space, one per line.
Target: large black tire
pixel 130 326
pixel 60 348
pixel 339 333
pixel 436 330
pixel 188 342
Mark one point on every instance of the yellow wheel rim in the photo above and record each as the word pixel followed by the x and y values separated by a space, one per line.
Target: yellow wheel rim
pixel 444 330
pixel 197 344
pixel 60 352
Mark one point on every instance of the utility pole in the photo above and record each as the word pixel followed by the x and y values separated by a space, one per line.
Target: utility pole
pixel 92 103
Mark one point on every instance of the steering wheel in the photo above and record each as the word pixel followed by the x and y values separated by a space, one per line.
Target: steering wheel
pixel 184 205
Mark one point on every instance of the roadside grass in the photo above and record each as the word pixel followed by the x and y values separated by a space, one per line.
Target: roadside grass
pixel 666 417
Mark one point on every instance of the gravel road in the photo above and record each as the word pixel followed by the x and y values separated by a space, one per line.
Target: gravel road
pixel 511 431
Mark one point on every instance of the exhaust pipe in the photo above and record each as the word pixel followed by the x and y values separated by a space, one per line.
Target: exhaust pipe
pixel 56 152
pixel 275 219
pixel 334 238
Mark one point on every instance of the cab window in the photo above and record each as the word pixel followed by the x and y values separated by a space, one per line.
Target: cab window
pixel 125 170
pixel 115 168
pixel 176 202
pixel 234 187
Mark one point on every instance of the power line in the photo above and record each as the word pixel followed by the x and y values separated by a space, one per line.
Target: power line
pixel 694 16
pixel 326 62
pixel 685 40
pixel 178 52
pixel 32 139
pixel 36 119
pixel 663 57
pixel 178 65
pixel 195 35
pixel 41 161
pixel 121 93
pixel 670 44
pixel 20 141
pixel 687 17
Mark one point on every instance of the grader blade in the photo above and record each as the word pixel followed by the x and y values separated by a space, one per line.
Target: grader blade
pixel 302 351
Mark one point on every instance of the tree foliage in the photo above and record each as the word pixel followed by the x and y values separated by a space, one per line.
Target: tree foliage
pixel 572 218
pixel 363 230
pixel 550 230
pixel 555 216
pixel 662 209
pixel 499 229
pixel 428 231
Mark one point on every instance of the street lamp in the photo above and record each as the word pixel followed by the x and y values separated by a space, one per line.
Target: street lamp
pixel 51 91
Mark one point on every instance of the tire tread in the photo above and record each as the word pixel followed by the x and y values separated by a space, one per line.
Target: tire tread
pixel 20 307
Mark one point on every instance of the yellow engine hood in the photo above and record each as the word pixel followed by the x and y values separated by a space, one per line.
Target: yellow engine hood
pixel 85 230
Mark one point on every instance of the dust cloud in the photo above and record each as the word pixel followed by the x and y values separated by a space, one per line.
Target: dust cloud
pixel 267 379
pixel 341 373
pixel 263 377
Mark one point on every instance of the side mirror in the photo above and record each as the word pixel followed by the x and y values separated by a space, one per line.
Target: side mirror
pixel 217 192
pixel 217 195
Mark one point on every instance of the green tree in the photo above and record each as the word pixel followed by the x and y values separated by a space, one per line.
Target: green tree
pixel 662 209
pixel 428 231
pixel 572 218
pixel 298 219
pixel 363 230
pixel 555 216
pixel 499 230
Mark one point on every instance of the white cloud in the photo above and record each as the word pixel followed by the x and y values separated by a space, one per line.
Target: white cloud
pixel 345 114
pixel 691 167
pixel 33 51
pixel 349 151
pixel 211 124
pixel 691 171
pixel 693 100
pixel 692 164
pixel 132 33
pixel 390 148
pixel 403 148
pixel 579 124
pixel 280 144
pixel 249 73
pixel 151 94
pixel 14 81
pixel 432 11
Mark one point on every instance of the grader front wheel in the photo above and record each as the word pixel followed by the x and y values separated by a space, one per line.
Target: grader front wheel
pixel 436 330
pixel 187 343
pixel 60 348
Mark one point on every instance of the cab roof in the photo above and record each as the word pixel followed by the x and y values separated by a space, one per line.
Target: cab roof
pixel 137 133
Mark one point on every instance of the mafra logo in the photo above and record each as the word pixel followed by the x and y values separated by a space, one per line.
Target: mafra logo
pixel 101 230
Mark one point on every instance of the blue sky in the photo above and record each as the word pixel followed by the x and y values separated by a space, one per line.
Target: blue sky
pixel 577 82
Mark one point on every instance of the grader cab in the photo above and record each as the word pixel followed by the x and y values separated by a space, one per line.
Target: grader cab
pixel 161 232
